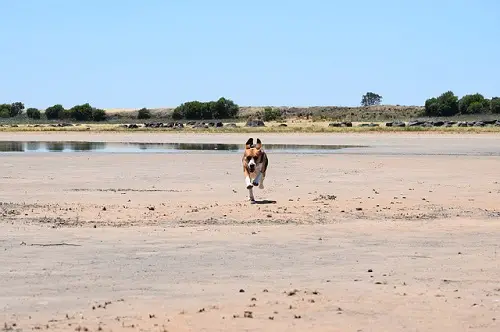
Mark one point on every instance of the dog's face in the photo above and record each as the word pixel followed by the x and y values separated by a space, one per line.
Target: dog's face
pixel 253 154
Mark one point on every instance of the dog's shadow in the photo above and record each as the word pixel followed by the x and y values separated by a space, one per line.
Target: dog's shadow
pixel 264 201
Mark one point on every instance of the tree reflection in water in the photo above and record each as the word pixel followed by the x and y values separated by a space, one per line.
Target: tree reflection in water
pixel 11 147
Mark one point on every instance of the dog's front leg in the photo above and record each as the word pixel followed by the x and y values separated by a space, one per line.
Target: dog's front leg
pixel 258 178
pixel 261 183
pixel 248 182
pixel 250 194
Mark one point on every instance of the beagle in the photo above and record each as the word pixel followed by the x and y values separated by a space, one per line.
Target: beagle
pixel 255 164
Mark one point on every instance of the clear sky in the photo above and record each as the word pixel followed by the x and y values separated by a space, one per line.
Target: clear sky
pixel 160 53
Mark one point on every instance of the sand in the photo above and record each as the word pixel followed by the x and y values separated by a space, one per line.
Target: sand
pixel 402 236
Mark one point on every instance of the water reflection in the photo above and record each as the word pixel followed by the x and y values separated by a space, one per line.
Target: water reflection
pixel 18 146
pixel 11 146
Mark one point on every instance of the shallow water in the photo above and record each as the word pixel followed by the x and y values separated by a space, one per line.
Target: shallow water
pixel 126 147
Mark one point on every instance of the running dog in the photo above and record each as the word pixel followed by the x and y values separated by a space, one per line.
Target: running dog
pixel 255 164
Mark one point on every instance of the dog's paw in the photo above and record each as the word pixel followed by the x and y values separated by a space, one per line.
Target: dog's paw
pixel 255 183
pixel 249 186
pixel 252 201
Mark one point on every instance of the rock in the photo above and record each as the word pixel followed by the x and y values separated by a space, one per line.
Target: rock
pixel 438 123
pixel 153 125
pixel 200 125
pixel 389 124
pixel 462 124
pixel 479 124
pixel 132 126
pixel 415 123
pixel 283 125
pixel 255 123
pixel 231 125
pixel 398 124
pixel 340 124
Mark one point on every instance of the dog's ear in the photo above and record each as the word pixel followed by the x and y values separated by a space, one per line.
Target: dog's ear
pixel 259 144
pixel 249 143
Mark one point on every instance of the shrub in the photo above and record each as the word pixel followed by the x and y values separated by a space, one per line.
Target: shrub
pixel 444 105
pixel 481 104
pixel 98 114
pixel 11 110
pixel 271 114
pixel 196 110
pixel 16 109
pixel 33 113
pixel 80 112
pixel 475 107
pixel 144 113
pixel 495 105
pixel 5 110
pixel 55 112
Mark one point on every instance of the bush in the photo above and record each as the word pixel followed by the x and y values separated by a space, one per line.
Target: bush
pixel 33 113
pixel 5 110
pixel 16 109
pixel 475 108
pixel 495 105
pixel 98 114
pixel 196 110
pixel 11 110
pixel 80 112
pixel 444 105
pixel 144 113
pixel 271 114
pixel 55 112
pixel 481 104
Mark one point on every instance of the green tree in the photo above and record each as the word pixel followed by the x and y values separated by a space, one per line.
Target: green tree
pixel 444 105
pixel 495 105
pixel 144 113
pixel 371 98
pixel 33 113
pixel 5 110
pixel 16 108
pixel 478 99
pixel 81 112
pixel 223 108
pixel 98 114
pixel 55 112
pixel 475 107
pixel 271 114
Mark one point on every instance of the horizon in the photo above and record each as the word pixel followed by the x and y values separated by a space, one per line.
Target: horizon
pixel 124 55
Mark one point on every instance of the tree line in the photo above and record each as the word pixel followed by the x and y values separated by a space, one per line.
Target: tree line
pixel 448 104
pixel 83 112
pixel 222 108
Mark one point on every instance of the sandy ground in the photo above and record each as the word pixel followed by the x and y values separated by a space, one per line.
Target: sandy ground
pixel 401 237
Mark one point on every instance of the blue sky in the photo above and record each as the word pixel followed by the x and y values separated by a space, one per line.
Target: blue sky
pixel 153 53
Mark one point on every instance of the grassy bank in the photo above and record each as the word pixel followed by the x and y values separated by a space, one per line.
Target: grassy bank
pixel 301 127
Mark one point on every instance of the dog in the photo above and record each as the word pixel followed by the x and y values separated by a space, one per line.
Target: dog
pixel 255 163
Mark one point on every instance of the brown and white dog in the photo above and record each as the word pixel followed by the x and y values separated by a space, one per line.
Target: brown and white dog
pixel 255 164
